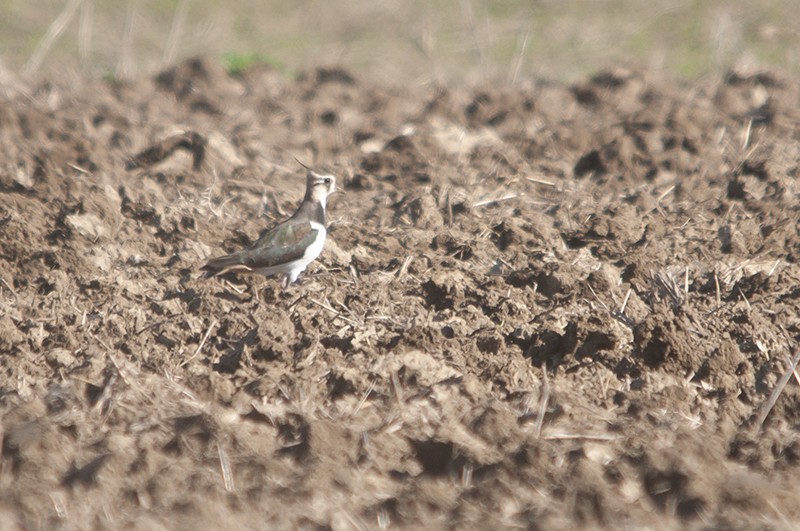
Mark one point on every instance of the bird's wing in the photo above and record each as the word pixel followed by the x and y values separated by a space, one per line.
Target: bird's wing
pixel 281 244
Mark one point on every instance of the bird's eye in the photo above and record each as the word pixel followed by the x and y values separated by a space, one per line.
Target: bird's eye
pixel 327 180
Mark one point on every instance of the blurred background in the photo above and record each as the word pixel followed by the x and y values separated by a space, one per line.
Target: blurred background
pixel 395 41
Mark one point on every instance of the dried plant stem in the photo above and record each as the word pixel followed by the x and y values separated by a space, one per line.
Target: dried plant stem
pixel 201 345
pixel 495 200
pixel 85 23
pixel 773 398
pixel 53 32
pixel 225 467
pixel 542 406
pixel 175 31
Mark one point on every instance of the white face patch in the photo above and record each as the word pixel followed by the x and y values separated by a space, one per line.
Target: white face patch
pixel 321 190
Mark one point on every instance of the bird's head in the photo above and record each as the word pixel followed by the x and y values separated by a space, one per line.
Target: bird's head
pixel 319 186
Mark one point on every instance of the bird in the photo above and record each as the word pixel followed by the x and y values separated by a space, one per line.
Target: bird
pixel 287 248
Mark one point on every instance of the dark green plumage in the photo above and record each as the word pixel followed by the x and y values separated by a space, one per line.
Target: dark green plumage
pixel 282 244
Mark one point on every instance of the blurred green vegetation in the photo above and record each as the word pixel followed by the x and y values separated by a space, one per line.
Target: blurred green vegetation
pixel 405 41
pixel 236 63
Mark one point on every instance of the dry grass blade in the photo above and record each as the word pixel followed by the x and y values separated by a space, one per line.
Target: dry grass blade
pixel 225 467
pixel 744 297
pixel 746 135
pixel 625 302
pixel 466 475
pixel 174 33
pixel 201 345
pixel 8 287
pixel 794 370
pixel 337 313
pixel 686 282
pixel 79 169
pixel 364 398
pixel 486 202
pixel 561 436
pixel 541 181
pixel 603 304
pixel 771 271
pixel 665 194
pixel 773 397
pixel 104 401
pixel 401 273
pixel 125 61
pixel 58 504
pixel 85 23
pixel 542 406
pixel 398 389
pixel 521 49
pixel 53 32
pixel 478 47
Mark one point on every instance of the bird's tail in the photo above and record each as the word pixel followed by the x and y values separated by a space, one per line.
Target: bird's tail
pixel 220 265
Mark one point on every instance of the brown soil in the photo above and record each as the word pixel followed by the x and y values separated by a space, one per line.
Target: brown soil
pixel 539 305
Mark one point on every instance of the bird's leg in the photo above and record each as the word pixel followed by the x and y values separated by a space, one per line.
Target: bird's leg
pixel 253 290
pixel 285 283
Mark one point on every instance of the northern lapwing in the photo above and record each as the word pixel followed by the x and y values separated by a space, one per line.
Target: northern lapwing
pixel 289 247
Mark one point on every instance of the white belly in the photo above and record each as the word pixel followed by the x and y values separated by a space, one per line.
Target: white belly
pixel 295 267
